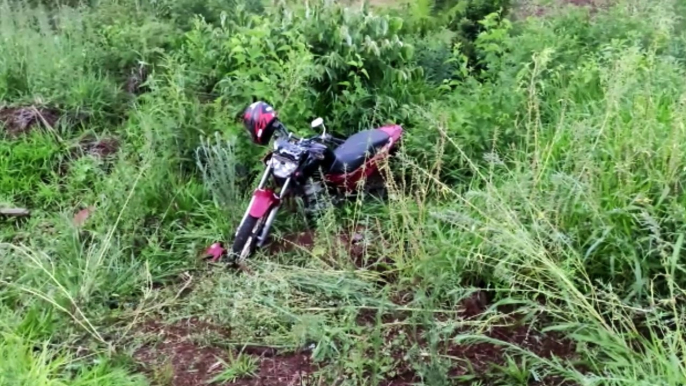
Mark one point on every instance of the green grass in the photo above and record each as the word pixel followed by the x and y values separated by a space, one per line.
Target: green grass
pixel 542 165
pixel 242 366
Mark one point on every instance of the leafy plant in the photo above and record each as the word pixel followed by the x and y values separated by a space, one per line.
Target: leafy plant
pixel 542 162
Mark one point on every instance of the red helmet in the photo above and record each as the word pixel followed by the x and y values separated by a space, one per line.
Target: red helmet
pixel 259 119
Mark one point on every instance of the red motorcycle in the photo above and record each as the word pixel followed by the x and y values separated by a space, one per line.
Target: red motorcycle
pixel 307 167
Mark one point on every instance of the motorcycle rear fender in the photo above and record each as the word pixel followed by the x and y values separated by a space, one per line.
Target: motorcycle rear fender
pixel 394 131
pixel 263 201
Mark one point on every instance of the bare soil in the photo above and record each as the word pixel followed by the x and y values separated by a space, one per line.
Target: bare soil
pixel 351 241
pixel 281 370
pixel 193 363
pixel 592 3
pixel 348 241
pixel 478 357
pixel 475 358
pixel 101 148
pixel 293 242
pixel 21 120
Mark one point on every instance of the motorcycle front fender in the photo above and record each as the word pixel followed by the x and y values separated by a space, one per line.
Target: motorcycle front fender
pixel 263 200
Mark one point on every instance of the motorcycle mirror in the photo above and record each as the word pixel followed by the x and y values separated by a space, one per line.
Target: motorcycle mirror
pixel 317 122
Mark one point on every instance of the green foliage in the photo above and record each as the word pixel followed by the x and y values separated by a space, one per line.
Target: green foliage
pixel 364 62
pixel 440 25
pixel 49 58
pixel 22 366
pixel 465 17
pixel 250 57
pixel 315 60
pixel 182 13
pixel 30 171
pixel 543 159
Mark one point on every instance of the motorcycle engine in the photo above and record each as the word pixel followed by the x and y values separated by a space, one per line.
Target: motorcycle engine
pixel 315 197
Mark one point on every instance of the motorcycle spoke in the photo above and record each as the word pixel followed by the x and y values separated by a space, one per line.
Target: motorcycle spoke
pixel 247 248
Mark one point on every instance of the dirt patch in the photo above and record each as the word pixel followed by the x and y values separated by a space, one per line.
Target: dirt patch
pixel 190 361
pixel 478 356
pixel 348 242
pixel 475 305
pixel 474 357
pixel 534 8
pixel 189 365
pixel 293 242
pixel 282 370
pixel 356 245
pixel 21 120
pixel 100 148
pixel 592 3
pixel 103 148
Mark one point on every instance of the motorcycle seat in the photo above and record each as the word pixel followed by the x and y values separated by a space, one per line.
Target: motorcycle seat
pixel 357 149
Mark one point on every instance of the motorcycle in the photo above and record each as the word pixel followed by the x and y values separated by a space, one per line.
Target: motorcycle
pixel 306 167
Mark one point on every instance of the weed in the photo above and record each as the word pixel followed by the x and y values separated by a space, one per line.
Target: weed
pixel 531 230
pixel 164 375
pixel 241 366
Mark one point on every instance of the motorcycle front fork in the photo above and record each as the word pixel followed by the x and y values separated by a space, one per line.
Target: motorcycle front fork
pixel 272 213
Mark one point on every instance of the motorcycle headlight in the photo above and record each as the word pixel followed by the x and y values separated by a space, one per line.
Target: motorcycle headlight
pixel 282 168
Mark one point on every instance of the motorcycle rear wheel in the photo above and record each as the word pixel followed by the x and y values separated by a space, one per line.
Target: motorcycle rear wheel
pixel 245 243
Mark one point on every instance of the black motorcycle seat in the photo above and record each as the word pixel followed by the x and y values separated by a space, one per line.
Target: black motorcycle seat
pixel 357 148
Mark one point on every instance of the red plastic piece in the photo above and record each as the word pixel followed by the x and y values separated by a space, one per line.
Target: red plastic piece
pixel 215 251
pixel 395 131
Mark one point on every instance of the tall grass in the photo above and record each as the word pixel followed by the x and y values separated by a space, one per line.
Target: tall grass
pixel 48 58
pixel 588 215
pixel 25 364
pixel 550 175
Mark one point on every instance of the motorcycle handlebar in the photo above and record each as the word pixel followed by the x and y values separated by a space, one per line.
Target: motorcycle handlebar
pixel 325 138
pixel 318 138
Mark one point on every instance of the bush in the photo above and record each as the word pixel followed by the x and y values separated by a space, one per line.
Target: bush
pixel 183 12
pixel 465 18
pixel 367 74
pixel 430 19
pixel 544 159
pixel 349 67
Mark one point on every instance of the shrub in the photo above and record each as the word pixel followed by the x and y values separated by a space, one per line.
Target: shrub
pixel 367 73
pixel 431 18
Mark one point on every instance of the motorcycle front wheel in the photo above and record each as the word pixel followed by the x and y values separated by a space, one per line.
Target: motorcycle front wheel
pixel 246 239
